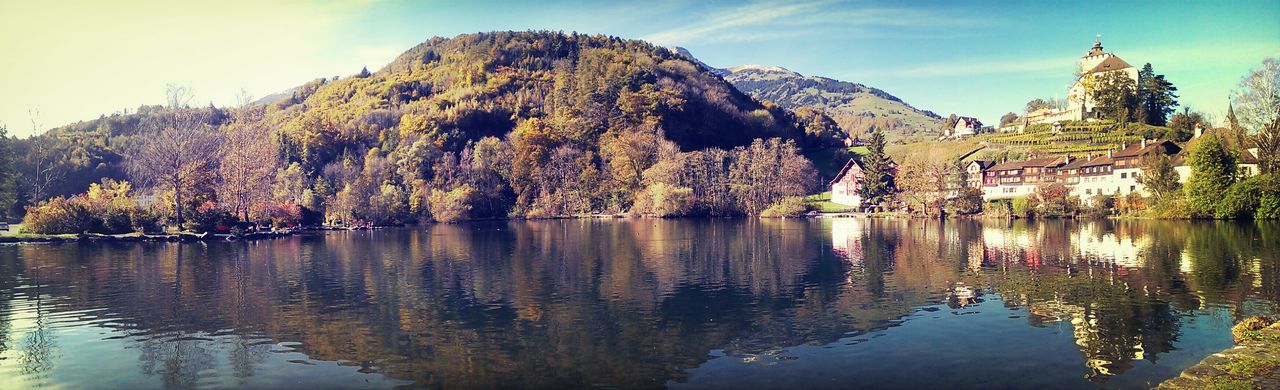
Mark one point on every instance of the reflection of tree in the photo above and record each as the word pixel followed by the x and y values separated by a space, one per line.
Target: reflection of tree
pixel 634 304
pixel 39 347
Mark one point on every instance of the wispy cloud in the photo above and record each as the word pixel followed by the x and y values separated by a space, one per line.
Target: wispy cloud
pixel 771 20
pixel 749 15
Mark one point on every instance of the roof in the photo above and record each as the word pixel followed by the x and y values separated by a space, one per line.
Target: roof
pixel 1100 160
pixel 1139 150
pixel 982 164
pixel 844 170
pixel 1074 164
pixel 1110 64
pixel 969 121
pixel 1228 139
pixel 1035 162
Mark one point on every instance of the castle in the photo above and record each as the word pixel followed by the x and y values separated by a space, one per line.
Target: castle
pixel 1080 105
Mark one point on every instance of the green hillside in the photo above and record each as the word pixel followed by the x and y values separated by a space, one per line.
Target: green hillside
pixel 857 108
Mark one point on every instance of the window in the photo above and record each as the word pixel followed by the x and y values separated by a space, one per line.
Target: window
pixel 1124 175
pixel 1132 188
pixel 1088 191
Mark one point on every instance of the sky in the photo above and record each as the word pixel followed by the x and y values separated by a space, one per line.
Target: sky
pixel 65 61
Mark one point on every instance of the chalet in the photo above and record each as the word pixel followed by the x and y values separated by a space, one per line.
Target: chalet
pixel 966 126
pixel 1019 178
pixel 845 186
pixel 975 169
pixel 1128 162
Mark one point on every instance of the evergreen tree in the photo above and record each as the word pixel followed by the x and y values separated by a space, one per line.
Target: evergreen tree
pixel 8 174
pixel 1156 97
pixel 877 184
pixel 1115 95
pixel 1213 170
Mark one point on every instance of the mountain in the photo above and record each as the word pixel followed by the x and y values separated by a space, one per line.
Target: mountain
pixel 543 104
pixel 857 108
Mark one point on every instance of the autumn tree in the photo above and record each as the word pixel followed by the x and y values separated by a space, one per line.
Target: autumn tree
pixel 1258 99
pixel 1159 177
pixel 248 165
pixel 177 156
pixel 923 184
pixel 767 171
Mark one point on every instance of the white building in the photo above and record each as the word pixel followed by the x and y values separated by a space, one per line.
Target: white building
pixel 1095 63
pixel 845 186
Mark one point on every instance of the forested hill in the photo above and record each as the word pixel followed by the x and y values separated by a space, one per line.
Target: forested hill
pixel 857 108
pixel 538 107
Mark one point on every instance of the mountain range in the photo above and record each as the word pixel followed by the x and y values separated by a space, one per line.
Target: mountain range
pixel 856 108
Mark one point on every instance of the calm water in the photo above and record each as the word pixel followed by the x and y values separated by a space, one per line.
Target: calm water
pixel 641 304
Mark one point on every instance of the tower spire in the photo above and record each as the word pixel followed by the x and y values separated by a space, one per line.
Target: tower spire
pixel 1097 45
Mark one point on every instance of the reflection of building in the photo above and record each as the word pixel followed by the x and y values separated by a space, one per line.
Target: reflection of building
pixel 846 238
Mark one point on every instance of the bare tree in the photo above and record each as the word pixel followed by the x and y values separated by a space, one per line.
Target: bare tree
pixel 1257 99
pixel 178 153
pixel 178 96
pixel 46 165
pixel 248 165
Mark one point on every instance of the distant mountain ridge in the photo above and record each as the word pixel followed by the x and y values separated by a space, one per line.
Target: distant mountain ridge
pixel 857 108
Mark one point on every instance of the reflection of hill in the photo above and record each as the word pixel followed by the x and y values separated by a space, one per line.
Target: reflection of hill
pixel 633 304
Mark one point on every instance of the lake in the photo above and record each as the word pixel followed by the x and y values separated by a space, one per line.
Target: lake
pixel 809 303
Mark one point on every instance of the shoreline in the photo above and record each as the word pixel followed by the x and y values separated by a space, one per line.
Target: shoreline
pixel 1253 362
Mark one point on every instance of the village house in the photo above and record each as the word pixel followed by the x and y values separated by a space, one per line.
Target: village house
pixel 1019 178
pixel 974 170
pixel 1094 177
pixel 845 186
pixel 1127 164
pixel 965 127
pixel 1246 158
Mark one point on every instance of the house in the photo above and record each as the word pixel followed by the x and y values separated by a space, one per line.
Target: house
pixel 966 126
pixel 1094 177
pixel 845 186
pixel 974 172
pixel 1246 158
pixel 1128 162
pixel 1019 178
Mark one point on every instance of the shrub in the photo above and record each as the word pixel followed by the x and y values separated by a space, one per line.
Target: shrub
pixel 451 206
pixel 998 208
pixel 969 201
pixel 1053 200
pixel 58 216
pixel 209 217
pixel 1244 199
pixel 1023 207
pixel 663 200
pixel 787 207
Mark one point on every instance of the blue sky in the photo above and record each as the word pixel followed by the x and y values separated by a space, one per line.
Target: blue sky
pixel 76 60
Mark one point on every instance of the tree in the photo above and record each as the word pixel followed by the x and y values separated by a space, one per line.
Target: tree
pixel 47 170
pixel 1159 177
pixel 1036 104
pixel 248 163
pixel 924 185
pixel 176 156
pixel 767 171
pixel 8 174
pixel 1115 96
pixel 878 185
pixel 1183 124
pixel 950 123
pixel 1008 118
pixel 1156 97
pixel 1213 170
pixel 1258 98
pixel 1054 200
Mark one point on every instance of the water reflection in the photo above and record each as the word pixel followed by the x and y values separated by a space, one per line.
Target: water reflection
pixel 718 303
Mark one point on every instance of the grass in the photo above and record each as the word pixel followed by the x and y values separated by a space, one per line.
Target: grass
pixel 822 203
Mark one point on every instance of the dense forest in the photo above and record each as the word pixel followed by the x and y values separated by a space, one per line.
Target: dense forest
pixel 487 125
